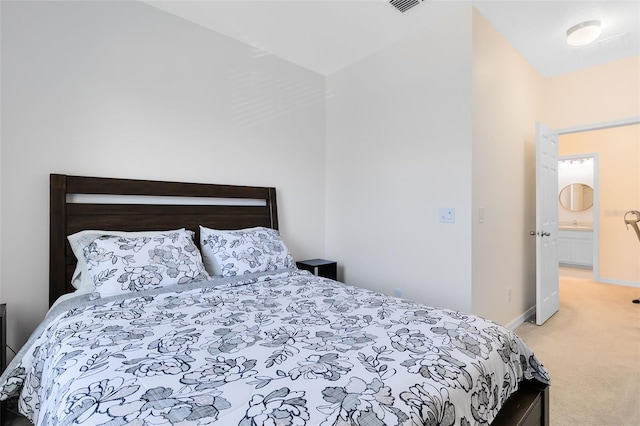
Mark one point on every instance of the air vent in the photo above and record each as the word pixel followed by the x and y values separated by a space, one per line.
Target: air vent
pixel 404 5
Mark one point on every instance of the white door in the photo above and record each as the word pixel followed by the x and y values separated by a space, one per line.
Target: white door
pixel 547 288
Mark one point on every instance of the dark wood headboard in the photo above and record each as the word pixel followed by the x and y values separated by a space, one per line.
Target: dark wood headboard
pixel 68 216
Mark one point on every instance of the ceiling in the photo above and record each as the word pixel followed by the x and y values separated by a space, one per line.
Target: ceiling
pixel 327 35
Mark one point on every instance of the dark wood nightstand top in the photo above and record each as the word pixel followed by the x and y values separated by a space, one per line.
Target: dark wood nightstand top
pixel 321 267
pixel 316 262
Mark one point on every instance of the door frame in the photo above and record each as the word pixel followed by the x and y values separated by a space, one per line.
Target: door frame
pixel 596 202
pixel 599 126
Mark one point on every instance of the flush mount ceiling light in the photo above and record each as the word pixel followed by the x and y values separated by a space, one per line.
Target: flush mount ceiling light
pixel 583 33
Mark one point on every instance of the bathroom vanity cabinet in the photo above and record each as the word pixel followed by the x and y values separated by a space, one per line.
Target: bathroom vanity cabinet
pixel 575 247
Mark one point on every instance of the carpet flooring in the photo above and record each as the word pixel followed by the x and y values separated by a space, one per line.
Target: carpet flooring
pixel 591 348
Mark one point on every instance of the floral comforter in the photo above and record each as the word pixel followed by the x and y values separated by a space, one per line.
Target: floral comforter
pixel 286 348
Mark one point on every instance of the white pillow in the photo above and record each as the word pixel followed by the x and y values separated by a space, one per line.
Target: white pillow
pixel 245 251
pixel 103 254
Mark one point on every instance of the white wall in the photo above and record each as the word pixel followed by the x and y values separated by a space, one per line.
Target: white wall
pixel 506 97
pixel 440 119
pixel 398 148
pixel 120 89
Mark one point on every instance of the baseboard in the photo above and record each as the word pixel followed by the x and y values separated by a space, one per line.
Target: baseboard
pixel 616 282
pixel 573 265
pixel 521 319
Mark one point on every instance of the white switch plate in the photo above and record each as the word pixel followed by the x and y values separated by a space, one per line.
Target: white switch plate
pixel 447 215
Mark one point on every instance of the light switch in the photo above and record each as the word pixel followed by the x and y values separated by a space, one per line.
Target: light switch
pixel 447 215
pixel 481 215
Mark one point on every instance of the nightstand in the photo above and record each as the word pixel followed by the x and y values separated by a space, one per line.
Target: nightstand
pixel 320 267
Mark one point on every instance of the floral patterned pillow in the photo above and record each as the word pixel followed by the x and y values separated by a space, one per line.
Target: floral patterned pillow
pixel 119 264
pixel 78 241
pixel 245 251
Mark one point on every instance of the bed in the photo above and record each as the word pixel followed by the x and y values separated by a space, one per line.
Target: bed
pixel 278 346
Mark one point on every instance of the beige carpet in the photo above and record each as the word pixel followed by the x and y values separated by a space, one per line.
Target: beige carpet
pixel 591 348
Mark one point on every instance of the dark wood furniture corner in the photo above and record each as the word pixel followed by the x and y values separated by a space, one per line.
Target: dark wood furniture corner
pixel 320 267
pixel 528 407
pixel 3 355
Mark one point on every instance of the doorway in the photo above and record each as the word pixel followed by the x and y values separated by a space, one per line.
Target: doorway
pixel 612 257
pixel 616 255
pixel 578 197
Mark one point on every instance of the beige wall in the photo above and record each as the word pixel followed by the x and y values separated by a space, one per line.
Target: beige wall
pixel 599 94
pixel 619 188
pixel 508 97
pixel 575 172
pixel 506 93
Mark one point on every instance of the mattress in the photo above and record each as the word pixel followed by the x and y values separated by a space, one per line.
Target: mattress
pixel 280 348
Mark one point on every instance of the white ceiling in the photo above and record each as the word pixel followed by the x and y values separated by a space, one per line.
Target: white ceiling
pixel 327 35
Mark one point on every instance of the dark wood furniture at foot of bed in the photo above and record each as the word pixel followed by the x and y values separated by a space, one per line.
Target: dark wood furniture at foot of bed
pixel 529 406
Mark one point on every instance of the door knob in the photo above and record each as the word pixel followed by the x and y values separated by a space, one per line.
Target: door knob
pixel 542 234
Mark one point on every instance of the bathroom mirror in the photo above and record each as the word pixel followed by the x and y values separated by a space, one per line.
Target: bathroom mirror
pixel 576 197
